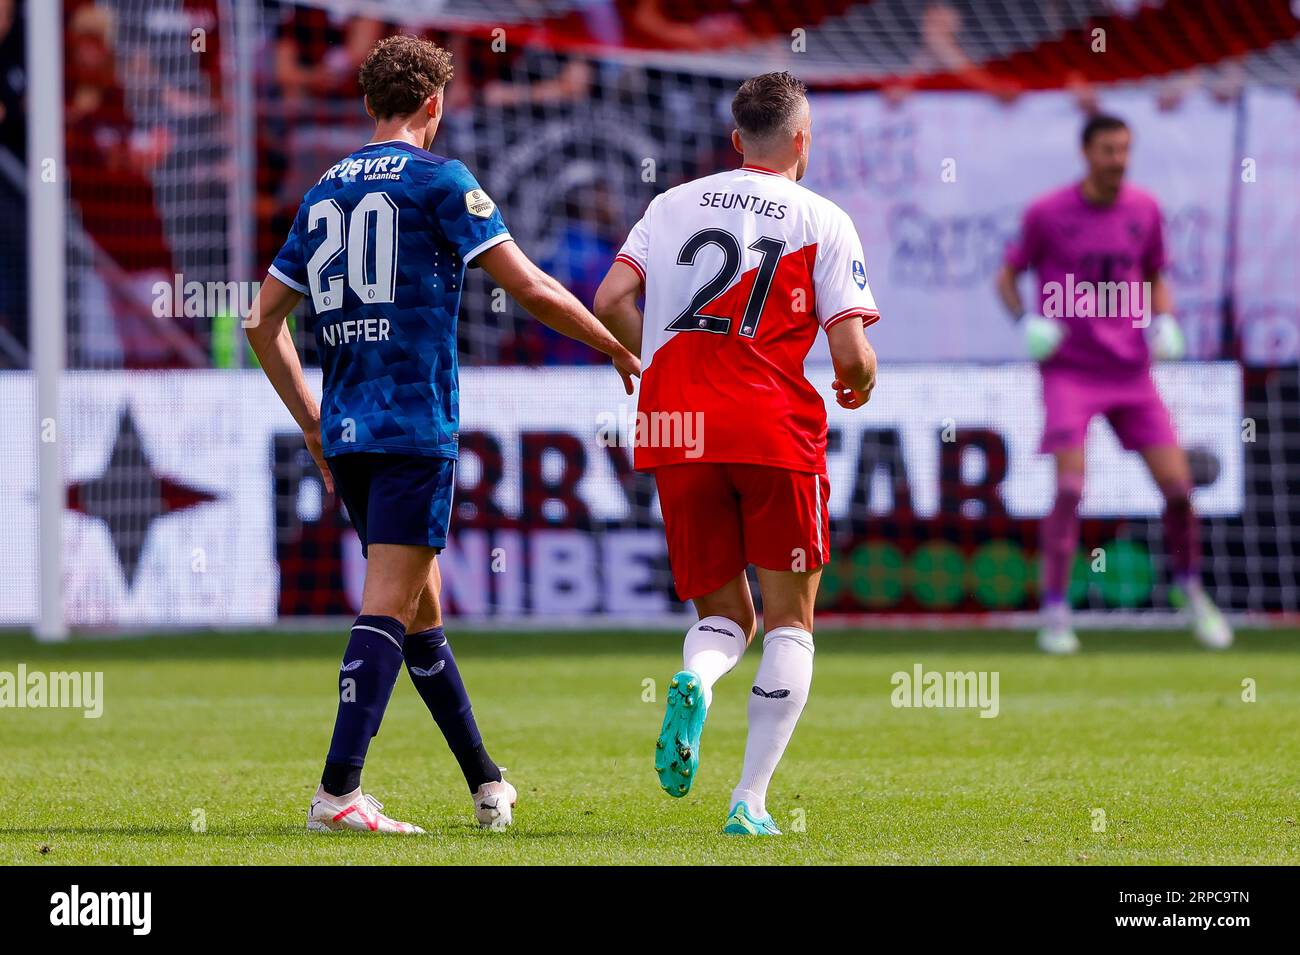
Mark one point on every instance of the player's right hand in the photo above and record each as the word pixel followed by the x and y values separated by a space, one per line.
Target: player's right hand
pixel 316 448
pixel 629 367
pixel 1043 336
pixel 847 397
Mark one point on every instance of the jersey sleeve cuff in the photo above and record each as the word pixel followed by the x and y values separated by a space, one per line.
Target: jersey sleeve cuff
pixel 869 316
pixel 482 247
pixel 633 263
pixel 281 277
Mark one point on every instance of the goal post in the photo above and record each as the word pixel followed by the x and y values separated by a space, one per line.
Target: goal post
pixel 47 187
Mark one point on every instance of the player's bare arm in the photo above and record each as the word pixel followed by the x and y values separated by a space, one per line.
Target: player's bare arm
pixel 555 306
pixel 273 344
pixel 855 363
pixel 1162 294
pixel 1009 292
pixel 616 306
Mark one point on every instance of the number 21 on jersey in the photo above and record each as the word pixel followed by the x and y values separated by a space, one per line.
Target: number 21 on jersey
pixel 694 318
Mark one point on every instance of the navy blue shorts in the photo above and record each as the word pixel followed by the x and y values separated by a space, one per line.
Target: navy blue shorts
pixel 396 498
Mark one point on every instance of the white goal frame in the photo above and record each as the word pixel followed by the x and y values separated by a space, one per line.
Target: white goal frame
pixel 47 210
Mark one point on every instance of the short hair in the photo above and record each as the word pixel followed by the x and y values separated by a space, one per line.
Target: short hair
pixel 1101 123
pixel 768 104
pixel 401 72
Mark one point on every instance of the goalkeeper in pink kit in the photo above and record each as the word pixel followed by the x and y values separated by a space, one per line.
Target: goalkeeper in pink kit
pixel 1097 251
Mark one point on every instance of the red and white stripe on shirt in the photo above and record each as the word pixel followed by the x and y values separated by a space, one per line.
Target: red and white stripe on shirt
pixel 740 269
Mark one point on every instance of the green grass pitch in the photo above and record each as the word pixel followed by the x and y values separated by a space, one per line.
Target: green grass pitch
pixel 1143 726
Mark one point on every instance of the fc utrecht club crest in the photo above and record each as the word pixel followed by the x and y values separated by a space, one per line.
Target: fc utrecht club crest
pixel 478 203
pixel 859 274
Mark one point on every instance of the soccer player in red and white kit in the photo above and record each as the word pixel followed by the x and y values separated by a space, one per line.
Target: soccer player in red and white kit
pixel 740 270
pixel 1095 237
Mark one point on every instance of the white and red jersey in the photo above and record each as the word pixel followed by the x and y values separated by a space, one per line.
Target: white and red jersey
pixel 740 269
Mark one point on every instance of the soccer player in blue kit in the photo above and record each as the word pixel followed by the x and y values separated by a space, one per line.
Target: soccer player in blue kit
pixel 381 244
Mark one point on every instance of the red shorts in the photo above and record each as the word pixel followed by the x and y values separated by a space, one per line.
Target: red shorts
pixel 720 518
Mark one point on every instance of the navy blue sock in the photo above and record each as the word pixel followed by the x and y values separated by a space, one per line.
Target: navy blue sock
pixel 366 679
pixel 434 672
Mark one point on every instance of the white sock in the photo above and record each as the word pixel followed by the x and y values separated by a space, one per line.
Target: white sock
pixel 784 676
pixel 1056 615
pixel 713 646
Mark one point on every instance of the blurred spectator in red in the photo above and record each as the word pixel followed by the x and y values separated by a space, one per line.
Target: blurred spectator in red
pixel 548 78
pixel 941 52
pixel 518 75
pixel 315 57
pixel 203 15
pixel 110 160
pixel 686 26
pixel 318 53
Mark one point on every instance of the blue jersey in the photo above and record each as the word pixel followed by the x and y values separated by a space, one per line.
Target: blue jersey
pixel 380 244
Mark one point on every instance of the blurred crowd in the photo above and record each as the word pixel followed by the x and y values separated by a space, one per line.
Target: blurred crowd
pixel 135 120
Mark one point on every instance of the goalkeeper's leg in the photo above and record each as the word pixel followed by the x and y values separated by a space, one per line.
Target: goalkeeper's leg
pixel 1170 470
pixel 1058 540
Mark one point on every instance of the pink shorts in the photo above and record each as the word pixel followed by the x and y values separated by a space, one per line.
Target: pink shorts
pixel 1134 408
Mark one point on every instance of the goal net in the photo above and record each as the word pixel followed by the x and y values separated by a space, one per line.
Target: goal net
pixel 195 126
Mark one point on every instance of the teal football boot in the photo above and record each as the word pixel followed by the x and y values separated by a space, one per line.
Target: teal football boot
pixel 677 751
pixel 741 823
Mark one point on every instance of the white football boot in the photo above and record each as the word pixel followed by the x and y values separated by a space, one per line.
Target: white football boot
pixel 355 812
pixel 1058 640
pixel 1209 626
pixel 1056 636
pixel 494 804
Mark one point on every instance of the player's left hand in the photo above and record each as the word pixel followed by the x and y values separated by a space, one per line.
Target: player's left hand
pixel 1166 339
pixel 629 367
pixel 316 449
pixel 846 397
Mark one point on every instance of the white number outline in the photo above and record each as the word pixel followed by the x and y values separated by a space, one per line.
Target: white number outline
pixel 328 211
pixel 355 241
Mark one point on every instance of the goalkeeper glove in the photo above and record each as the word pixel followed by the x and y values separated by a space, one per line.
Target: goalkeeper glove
pixel 1166 339
pixel 1043 336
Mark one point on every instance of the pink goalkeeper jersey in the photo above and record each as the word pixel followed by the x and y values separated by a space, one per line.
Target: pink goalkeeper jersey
pixel 741 271
pixel 1090 262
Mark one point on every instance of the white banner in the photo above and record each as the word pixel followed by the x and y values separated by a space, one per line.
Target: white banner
pixel 172 493
pixel 938 184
